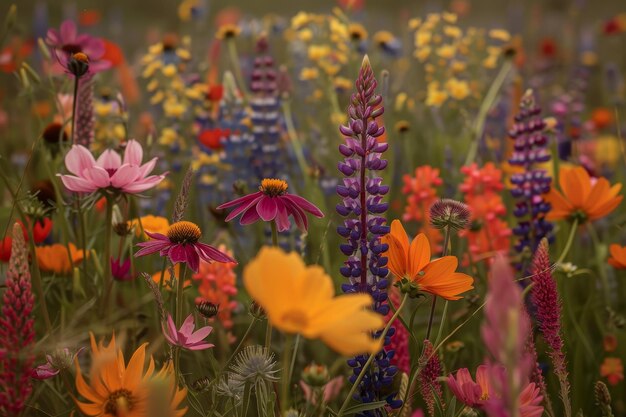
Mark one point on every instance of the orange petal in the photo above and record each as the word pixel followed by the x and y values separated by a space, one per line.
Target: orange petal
pixel 419 255
pixel 578 187
pixel 397 231
pixel 396 255
pixel 440 279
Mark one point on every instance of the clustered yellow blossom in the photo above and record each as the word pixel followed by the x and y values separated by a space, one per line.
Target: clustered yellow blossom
pixel 163 68
pixel 110 122
pixel 450 54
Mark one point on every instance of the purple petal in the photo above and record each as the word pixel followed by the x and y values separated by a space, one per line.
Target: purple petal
pixel 266 208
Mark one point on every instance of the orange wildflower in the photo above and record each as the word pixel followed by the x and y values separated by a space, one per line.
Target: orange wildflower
pixel 613 370
pixel 582 198
pixel 167 277
pixel 117 389
pixel 412 262
pixel 54 258
pixel 218 286
pixel 618 256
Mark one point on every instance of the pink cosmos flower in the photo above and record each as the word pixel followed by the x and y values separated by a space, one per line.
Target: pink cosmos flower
pixel 181 244
pixel 466 390
pixel 186 338
pixel 109 171
pixel 329 391
pixel 62 359
pixel 272 203
pixel 66 41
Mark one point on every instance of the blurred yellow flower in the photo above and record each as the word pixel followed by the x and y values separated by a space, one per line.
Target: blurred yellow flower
pixel 300 19
pixel 457 89
pixel 301 299
pixel 169 70
pixel 173 108
pixel 227 31
pixel 446 51
pixel 449 17
pixel 435 97
pixel 309 74
pixel 500 34
pixel 357 32
pixel 423 53
pixel 305 35
pixel 453 31
pixel 422 38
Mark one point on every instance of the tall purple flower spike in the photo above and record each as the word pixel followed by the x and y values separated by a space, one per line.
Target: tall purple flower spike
pixel 530 150
pixel 362 206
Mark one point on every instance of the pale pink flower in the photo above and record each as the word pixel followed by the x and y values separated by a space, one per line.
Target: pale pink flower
pixel 186 338
pixel 109 172
pixel 329 391
pixel 466 390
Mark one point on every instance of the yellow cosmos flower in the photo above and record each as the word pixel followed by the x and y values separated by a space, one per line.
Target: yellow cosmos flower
pixel 120 390
pixel 301 299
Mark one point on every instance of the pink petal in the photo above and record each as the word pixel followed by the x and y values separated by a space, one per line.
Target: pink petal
pixel 304 204
pixel 147 168
pixel 200 334
pixel 78 185
pixel 125 175
pixel 98 176
pixel 266 208
pixel 151 247
pixel 53 38
pixel 193 258
pixel 143 184
pixel 68 31
pixel 209 253
pixel 201 346
pixel 109 160
pixel 249 216
pixel 78 159
pixel 186 329
pixel 177 253
pixel 282 217
pixel 243 207
pixel 240 200
pixel 133 154
pixel 298 214
pixel 157 236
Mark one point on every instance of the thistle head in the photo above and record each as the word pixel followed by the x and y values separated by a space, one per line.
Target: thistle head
pixel 447 213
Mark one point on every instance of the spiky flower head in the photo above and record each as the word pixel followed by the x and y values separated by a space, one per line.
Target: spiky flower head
pixel 254 365
pixel 603 399
pixel 448 213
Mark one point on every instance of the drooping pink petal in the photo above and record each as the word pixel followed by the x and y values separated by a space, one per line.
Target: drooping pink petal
pixel 266 208
pixel 304 204
pixel 209 253
pixel 200 346
pixel 193 258
pixel 240 200
pixel 249 216
pixel 151 247
pixel 78 185
pixel 109 159
pixel 78 159
pixel 282 216
pixel 177 253
pixel 133 154
pixel 157 236
pixel 247 205
pixel 298 215
pixel 124 176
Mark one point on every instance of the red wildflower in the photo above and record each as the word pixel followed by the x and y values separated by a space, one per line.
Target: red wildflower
pixel 212 138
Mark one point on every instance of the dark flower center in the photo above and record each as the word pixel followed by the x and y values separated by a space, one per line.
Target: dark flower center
pixel 184 232
pixel 119 403
pixel 111 171
pixel 71 48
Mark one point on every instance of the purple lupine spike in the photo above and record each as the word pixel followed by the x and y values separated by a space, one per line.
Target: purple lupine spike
pixel 17 332
pixel 529 150
pixel 362 206
pixel 545 298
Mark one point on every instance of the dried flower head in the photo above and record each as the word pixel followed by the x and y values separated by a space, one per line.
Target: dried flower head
pixel 254 365
pixel 208 309
pixel 449 213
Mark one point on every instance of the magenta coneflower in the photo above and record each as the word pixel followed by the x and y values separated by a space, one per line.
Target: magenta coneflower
pixel 66 42
pixel 272 203
pixel 181 244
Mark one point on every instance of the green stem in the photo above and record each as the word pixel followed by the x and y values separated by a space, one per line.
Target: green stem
pixel 569 242
pixel 268 330
pixel 108 278
pixel 74 103
pixel 444 252
pixel 274 234
pixel 600 262
pixel 485 106
pixel 371 358
pixel 179 295
pixel 285 379
pixel 241 342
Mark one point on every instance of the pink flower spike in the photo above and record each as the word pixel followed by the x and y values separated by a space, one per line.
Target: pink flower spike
pixel 109 172
pixel 186 338
pixel 272 203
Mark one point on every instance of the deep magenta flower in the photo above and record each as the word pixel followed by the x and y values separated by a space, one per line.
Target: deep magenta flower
pixel 109 171
pixel 121 269
pixel 186 338
pixel 66 42
pixel 181 244
pixel 272 203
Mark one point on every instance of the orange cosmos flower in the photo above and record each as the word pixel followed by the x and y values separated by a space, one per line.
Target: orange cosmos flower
pixel 54 258
pixel 618 256
pixel 581 198
pixel 412 262
pixel 117 389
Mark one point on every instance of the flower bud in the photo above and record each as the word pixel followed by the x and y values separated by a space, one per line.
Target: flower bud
pixel 447 213
pixel 315 375
pixel 207 309
pixel 78 64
